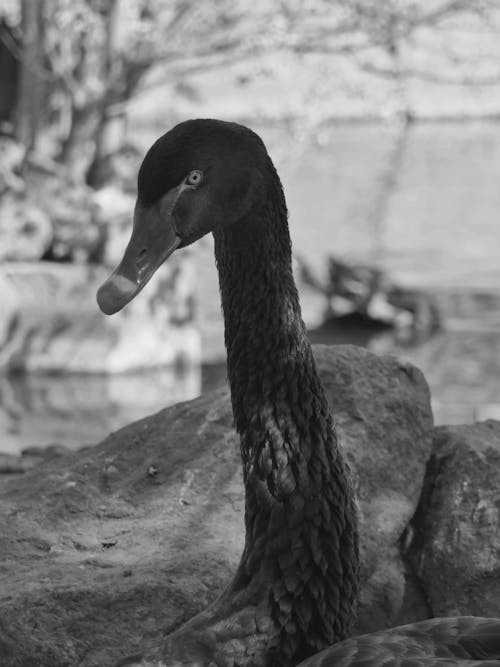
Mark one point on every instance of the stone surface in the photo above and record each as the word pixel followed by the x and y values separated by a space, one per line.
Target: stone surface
pixel 105 550
pixel 51 322
pixel 455 551
pixel 43 215
pixel 29 458
pixel 385 422
pixel 25 229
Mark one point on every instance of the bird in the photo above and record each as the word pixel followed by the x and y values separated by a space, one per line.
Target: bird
pixel 294 594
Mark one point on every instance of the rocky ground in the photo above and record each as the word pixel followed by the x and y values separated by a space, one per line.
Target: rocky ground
pixel 105 550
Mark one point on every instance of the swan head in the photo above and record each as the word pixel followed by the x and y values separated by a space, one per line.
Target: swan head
pixel 200 176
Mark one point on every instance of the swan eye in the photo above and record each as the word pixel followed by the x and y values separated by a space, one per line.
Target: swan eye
pixel 194 177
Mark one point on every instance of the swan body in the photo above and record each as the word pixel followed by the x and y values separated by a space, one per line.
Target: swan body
pixel 295 590
pixel 463 640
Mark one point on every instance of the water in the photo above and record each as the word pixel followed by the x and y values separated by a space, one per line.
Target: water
pixel 432 222
pixel 79 410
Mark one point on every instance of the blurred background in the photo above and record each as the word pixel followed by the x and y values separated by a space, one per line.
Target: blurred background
pixel 382 117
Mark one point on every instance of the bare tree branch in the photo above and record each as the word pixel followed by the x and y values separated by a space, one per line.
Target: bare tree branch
pixel 431 76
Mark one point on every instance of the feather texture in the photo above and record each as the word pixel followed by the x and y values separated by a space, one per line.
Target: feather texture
pixel 464 640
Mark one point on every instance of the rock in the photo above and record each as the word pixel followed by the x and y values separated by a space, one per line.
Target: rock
pixel 45 453
pixel 44 215
pixel 11 464
pixel 25 229
pixel 455 551
pixel 385 423
pixel 145 529
pixel 11 158
pixel 77 235
pixel 363 297
pixel 422 308
pixel 51 322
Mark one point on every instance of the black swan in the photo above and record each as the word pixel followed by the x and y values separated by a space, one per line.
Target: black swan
pixel 296 587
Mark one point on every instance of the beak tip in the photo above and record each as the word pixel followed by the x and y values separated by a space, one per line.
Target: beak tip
pixel 114 294
pixel 145 252
pixel 105 303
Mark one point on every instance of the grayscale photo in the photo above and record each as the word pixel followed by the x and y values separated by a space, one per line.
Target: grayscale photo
pixel 249 333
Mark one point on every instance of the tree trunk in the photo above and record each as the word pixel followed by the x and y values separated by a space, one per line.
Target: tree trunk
pixel 74 153
pixel 31 80
pixel 9 72
pixel 125 76
pixel 109 134
pixel 109 138
pixel 112 129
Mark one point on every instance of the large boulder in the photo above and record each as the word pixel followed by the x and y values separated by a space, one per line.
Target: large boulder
pixel 455 550
pixel 383 414
pixel 51 323
pixel 106 549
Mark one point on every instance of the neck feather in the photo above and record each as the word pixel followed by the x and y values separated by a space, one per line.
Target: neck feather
pixel 265 337
pixel 272 374
pixel 301 535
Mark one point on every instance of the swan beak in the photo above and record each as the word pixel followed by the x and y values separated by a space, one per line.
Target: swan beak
pixel 154 238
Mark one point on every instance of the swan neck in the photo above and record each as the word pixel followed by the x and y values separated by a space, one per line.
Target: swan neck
pixel 300 517
pixel 266 339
